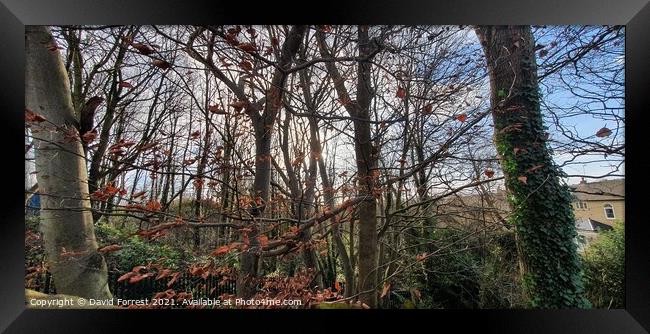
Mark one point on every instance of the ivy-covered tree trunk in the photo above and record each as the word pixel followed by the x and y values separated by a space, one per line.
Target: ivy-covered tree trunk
pixel 66 220
pixel 540 204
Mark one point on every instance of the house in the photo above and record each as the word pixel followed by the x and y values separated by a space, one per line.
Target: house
pixel 601 201
pixel 588 230
pixel 596 206
pixel 473 210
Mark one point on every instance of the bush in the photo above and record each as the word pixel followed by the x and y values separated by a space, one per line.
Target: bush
pixel 604 269
pixel 136 251
pixel 466 275
pixel 500 285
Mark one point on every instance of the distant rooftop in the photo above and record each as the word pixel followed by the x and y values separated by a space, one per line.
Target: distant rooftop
pixel 588 224
pixel 605 190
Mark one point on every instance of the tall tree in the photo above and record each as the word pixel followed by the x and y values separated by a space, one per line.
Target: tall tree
pixel 263 114
pixel 366 156
pixel 66 220
pixel 541 205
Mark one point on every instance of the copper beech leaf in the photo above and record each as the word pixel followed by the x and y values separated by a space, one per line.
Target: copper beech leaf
pixel 142 48
pixel 221 250
pixel 161 64
pixel 126 276
pixel 489 173
pixel 385 290
pixel 138 278
pixel 401 93
pixel 109 249
pixel 175 277
pixel 31 116
pixel 603 132
pixel 248 47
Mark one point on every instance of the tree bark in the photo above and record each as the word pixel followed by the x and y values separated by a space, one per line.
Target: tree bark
pixel 66 219
pixel 540 204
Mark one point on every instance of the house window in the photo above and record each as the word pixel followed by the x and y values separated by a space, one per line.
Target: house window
pixel 581 205
pixel 609 211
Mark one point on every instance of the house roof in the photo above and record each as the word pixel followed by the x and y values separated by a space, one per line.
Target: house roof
pixel 588 224
pixel 498 201
pixel 605 190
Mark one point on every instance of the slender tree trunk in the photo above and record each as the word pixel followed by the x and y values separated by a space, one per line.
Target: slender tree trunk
pixel 541 205
pixel 302 198
pixel 72 37
pixel 367 172
pixel 95 173
pixel 308 202
pixel 198 186
pixel 169 180
pixel 348 271
pixel 249 260
pixel 366 155
pixel 185 149
pixel 315 158
pixel 227 169
pixel 263 125
pixel 66 220
pixel 346 257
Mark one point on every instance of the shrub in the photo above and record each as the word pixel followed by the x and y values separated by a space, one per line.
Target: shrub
pixel 136 251
pixel 604 269
pixel 467 275
pixel 500 285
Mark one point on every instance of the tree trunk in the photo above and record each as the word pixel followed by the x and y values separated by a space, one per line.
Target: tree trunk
pixel 348 270
pixel 308 202
pixel 540 204
pixel 303 198
pixel 249 259
pixel 226 171
pixel 95 173
pixel 169 180
pixel 366 156
pixel 367 172
pixel 199 181
pixel 263 125
pixel 66 220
